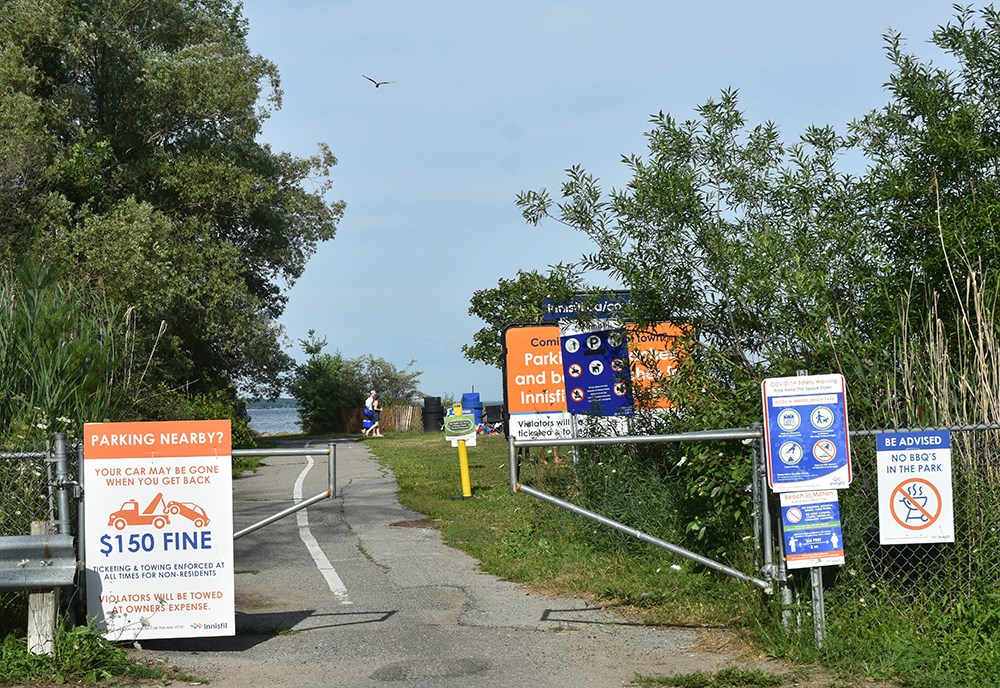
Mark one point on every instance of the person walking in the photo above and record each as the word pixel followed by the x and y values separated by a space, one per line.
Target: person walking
pixel 375 430
pixel 368 419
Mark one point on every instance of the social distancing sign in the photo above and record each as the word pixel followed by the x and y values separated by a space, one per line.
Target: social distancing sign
pixel 811 527
pixel 914 488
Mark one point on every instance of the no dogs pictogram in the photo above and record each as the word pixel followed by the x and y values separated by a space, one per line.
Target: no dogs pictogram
pixel 916 504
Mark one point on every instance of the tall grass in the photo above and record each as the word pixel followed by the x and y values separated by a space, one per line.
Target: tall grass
pixel 65 355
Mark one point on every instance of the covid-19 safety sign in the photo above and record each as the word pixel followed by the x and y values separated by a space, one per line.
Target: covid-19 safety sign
pixel 806 433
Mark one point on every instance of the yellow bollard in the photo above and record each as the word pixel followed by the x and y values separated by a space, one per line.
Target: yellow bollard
pixel 463 459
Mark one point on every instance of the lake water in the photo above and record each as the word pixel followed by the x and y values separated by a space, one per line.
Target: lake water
pixel 274 421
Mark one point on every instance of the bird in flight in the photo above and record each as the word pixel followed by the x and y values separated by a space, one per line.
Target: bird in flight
pixel 377 83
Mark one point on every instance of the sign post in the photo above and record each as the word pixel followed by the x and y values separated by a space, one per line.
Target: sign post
pixel 460 429
pixel 159 529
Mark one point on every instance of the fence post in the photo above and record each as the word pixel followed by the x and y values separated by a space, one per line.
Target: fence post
pixel 62 484
pixel 763 513
pixel 42 609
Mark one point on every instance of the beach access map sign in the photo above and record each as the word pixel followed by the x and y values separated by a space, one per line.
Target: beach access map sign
pixel 159 529
pixel 805 433
pixel 915 503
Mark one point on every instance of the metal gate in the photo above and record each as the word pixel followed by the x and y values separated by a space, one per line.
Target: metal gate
pixel 909 580
pixel 762 518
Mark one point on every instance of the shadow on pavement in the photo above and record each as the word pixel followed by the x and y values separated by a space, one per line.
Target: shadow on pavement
pixel 254 629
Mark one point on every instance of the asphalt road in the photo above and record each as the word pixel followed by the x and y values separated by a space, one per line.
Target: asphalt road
pixel 355 592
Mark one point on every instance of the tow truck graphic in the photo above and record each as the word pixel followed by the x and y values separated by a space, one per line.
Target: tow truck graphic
pixel 157 514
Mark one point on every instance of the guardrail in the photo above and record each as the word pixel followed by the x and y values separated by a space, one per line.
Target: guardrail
pixel 36 562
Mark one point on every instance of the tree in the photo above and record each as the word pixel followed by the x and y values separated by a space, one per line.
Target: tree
pixel 394 385
pixel 328 387
pixel 129 130
pixel 754 243
pixel 514 302
pixel 931 191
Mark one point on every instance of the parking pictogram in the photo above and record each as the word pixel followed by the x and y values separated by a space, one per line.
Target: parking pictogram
pixel 575 370
pixel 825 451
pixel 576 394
pixel 916 504
pixel 594 342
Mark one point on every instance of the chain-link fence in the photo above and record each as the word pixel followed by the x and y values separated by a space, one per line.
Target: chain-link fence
pixel 30 489
pixel 917 581
pixel 24 484
pixel 935 589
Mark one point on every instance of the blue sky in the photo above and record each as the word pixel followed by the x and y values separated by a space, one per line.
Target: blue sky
pixel 492 98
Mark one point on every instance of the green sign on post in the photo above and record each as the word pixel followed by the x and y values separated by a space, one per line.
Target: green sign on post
pixel 459 428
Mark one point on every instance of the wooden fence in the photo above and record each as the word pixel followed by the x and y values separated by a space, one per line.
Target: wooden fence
pixel 393 419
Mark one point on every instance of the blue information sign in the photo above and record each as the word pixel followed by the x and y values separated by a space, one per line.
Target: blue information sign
pixel 811 525
pixel 806 433
pixel 597 377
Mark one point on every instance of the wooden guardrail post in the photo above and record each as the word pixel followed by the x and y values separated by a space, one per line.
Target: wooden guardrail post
pixel 42 607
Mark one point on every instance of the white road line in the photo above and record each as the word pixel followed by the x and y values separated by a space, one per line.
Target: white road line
pixel 337 586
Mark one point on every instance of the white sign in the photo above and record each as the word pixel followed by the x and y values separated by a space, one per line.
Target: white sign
pixel 159 529
pixel 914 488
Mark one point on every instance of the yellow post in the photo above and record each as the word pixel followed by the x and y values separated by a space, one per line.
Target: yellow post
pixel 463 459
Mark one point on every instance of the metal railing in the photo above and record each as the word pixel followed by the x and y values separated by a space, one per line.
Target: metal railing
pixel 330 450
pixel 703 436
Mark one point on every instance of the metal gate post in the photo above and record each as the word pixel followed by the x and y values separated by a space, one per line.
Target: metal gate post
pixel 762 508
pixel 513 464
pixel 62 484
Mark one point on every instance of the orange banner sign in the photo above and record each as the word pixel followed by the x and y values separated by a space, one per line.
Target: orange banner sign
pixel 157 439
